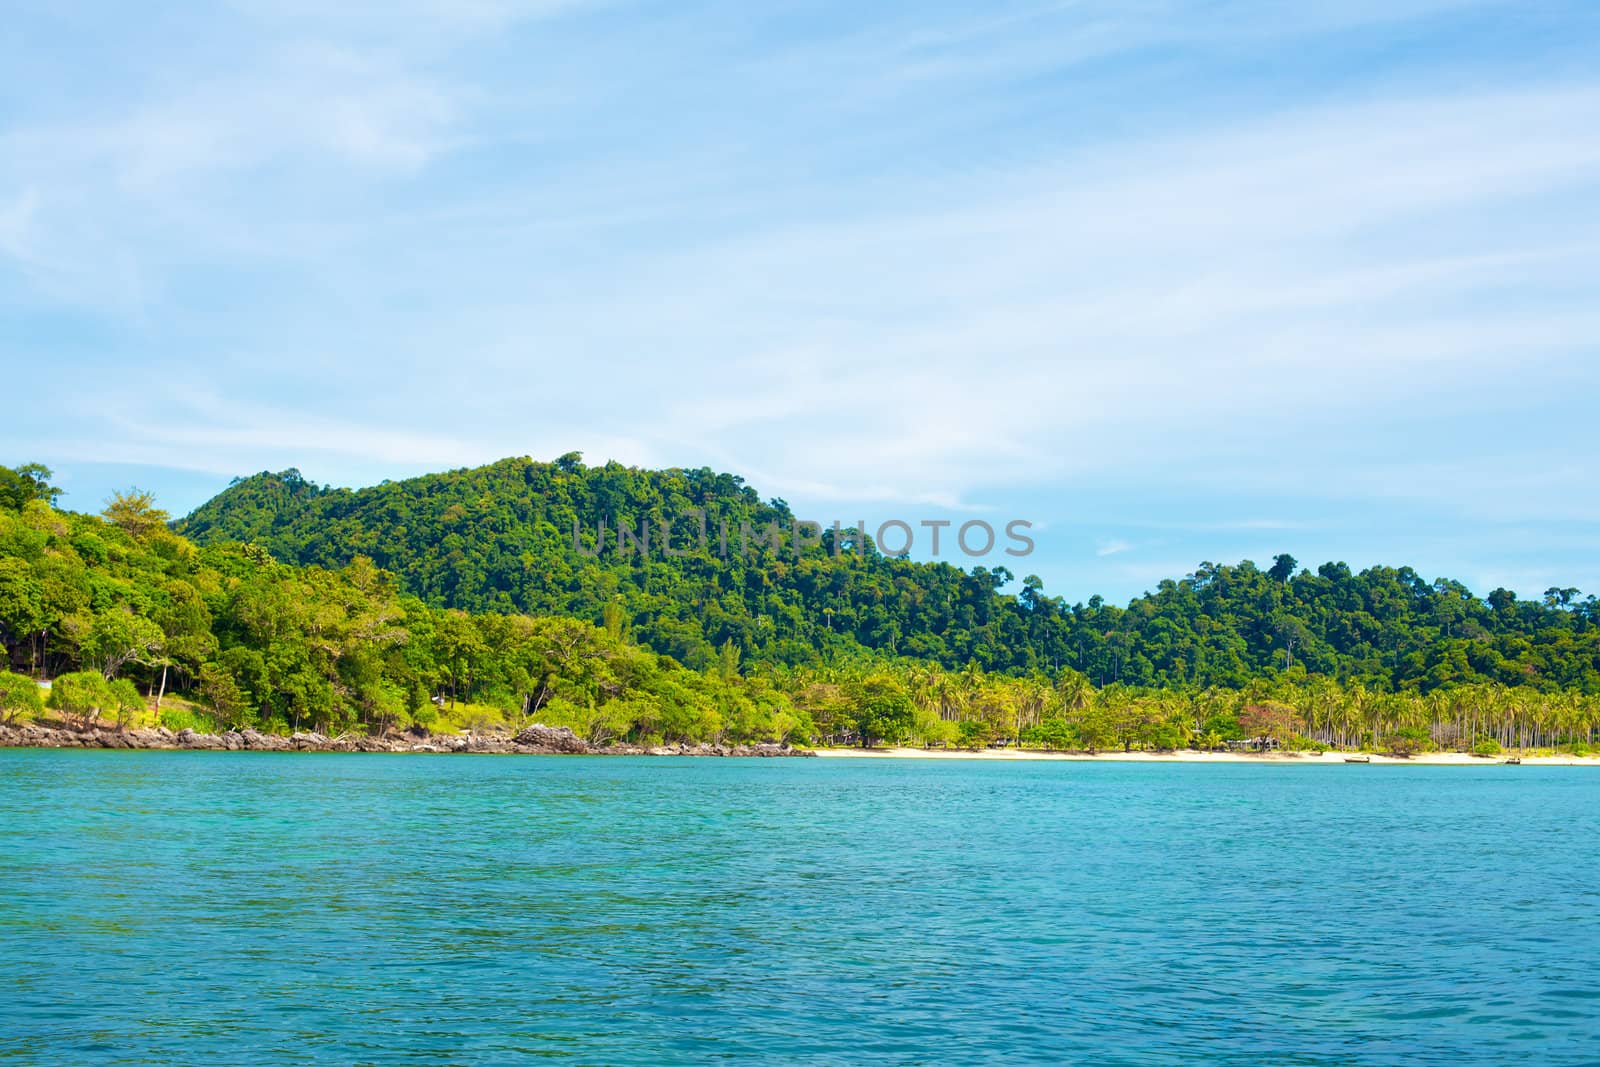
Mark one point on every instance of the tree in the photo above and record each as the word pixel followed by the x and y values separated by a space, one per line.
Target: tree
pixel 135 512
pixel 1269 720
pixel 1283 566
pixel 1096 727
pixel 222 695
pixel 930 730
pixel 118 637
pixel 19 696
pixel 1408 740
pixel 884 712
pixel 123 698
pixel 728 662
pixel 1051 733
pixel 460 646
pixel 23 612
pixel 80 695
pixel 1291 632
pixel 20 486
pixel 974 733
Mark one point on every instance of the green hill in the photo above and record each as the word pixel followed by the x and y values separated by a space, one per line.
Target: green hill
pixel 499 538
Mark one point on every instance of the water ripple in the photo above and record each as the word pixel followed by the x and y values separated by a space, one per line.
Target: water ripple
pixel 177 908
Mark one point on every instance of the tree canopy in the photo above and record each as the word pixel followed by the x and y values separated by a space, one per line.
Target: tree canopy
pixel 499 538
pixel 458 601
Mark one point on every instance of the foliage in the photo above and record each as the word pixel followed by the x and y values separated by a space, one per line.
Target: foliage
pixel 186 718
pixel 499 539
pixel 884 712
pixel 123 700
pixel 1408 740
pixel 974 733
pixel 220 692
pixel 1269 720
pixel 19 696
pixel 136 513
pixel 20 486
pixel 455 602
pixel 80 695
pixel 115 607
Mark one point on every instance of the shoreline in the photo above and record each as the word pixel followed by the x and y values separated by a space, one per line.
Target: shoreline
pixel 1430 759
pixel 536 740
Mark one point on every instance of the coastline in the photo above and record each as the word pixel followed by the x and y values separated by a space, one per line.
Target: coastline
pixel 1431 759
pixel 536 740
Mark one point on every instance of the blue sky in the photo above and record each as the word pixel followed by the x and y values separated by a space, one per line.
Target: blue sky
pixel 1176 282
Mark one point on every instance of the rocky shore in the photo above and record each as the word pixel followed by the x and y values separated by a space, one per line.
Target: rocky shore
pixel 534 741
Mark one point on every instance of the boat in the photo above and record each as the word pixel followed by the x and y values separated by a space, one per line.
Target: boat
pixel 1358 759
pixel 1513 759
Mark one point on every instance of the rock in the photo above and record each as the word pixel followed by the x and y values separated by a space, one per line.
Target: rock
pixel 552 739
pixel 192 739
pixel 537 739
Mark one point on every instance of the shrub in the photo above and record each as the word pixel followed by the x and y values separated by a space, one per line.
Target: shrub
pixel 1164 737
pixel 80 695
pixel 974 734
pixel 177 719
pixel 1487 747
pixel 1408 742
pixel 19 695
pixel 931 730
pixel 124 701
pixel 1053 733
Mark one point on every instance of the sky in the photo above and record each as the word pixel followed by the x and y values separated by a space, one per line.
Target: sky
pixel 1174 282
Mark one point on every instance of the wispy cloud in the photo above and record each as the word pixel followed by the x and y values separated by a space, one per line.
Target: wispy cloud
pixel 1044 252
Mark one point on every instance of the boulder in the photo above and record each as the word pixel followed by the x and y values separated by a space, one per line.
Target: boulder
pixel 552 739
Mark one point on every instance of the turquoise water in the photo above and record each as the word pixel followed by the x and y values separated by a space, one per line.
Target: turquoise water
pixel 219 908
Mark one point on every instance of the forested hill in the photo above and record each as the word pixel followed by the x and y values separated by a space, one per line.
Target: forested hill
pixel 500 538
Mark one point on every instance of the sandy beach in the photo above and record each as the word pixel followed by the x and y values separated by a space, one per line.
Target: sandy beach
pixel 1436 759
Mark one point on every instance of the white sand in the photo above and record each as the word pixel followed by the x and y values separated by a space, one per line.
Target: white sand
pixel 1439 759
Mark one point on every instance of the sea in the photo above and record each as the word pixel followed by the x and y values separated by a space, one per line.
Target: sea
pixel 258 908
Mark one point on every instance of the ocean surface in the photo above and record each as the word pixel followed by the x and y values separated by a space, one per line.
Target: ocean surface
pixel 222 908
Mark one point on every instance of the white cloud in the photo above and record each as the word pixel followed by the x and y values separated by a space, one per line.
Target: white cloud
pixel 856 266
pixel 1198 286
